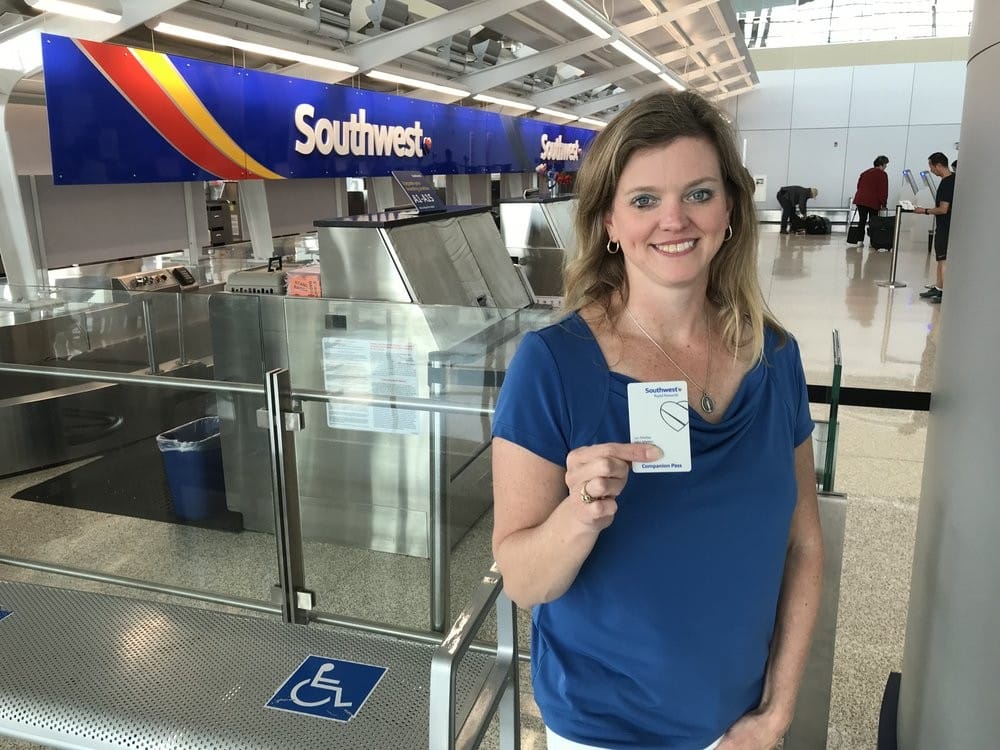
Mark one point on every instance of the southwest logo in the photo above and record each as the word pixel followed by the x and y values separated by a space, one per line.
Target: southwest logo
pixel 558 151
pixel 355 136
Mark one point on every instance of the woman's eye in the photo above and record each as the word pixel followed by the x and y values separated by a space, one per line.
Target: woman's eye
pixel 643 201
pixel 700 195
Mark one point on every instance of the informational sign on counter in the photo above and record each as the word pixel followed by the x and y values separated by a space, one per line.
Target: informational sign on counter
pixel 419 188
pixel 370 367
pixel 119 114
pixel 4 613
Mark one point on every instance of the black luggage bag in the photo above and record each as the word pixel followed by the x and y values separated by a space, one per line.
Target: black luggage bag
pixel 881 230
pixel 855 233
pixel 816 224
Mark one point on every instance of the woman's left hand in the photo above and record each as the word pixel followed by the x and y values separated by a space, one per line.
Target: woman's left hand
pixel 756 730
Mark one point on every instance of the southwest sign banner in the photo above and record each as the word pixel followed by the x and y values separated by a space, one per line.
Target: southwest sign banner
pixel 118 114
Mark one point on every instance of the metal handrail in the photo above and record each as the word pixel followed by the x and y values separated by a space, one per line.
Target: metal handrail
pixel 500 689
pixel 831 431
pixel 194 384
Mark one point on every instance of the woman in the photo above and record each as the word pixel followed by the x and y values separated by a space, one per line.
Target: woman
pixel 669 610
pixel 873 192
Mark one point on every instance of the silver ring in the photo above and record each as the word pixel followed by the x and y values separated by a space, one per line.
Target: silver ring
pixel 584 495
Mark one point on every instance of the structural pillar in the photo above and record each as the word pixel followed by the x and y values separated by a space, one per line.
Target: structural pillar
pixel 950 687
pixel 256 219
pixel 20 261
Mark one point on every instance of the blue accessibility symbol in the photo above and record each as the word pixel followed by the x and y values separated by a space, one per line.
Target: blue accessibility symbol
pixel 4 613
pixel 327 688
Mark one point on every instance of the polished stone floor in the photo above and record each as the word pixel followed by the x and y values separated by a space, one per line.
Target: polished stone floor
pixel 813 285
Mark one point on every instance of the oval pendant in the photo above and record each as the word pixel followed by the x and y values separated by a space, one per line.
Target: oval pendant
pixel 707 404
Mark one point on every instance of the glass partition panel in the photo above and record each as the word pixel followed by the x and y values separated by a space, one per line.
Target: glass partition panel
pixel 115 475
pixel 397 401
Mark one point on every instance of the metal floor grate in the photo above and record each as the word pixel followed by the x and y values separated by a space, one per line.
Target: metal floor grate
pixel 116 672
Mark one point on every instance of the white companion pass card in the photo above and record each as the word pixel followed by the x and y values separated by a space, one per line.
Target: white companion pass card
pixel 658 414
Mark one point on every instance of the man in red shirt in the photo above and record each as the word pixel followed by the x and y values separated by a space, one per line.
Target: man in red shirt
pixel 873 192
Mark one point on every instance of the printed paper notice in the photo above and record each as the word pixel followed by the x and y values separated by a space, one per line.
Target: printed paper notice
pixel 370 367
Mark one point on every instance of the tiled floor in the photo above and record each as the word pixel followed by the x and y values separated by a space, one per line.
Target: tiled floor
pixel 813 284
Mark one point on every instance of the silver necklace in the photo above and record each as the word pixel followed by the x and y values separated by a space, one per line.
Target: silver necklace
pixel 707 402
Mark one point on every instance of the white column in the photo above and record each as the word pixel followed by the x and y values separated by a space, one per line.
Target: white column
pixel 194 202
pixel 513 184
pixel 340 198
pixel 950 689
pixel 20 262
pixel 382 194
pixel 256 219
pixel 467 189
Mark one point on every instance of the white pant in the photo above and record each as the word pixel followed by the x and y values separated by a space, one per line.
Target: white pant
pixel 555 742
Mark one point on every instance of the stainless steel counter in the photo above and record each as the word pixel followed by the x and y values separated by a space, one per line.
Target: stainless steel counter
pixel 539 233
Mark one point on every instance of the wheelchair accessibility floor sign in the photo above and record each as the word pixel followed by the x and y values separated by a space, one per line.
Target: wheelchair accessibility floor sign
pixel 327 688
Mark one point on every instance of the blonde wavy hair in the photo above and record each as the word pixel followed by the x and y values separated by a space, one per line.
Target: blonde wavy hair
pixel 597 276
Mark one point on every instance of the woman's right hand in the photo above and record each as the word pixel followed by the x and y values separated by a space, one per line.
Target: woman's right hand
pixel 600 473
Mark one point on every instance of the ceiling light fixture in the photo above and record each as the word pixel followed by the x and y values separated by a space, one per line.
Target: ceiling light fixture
pixel 570 12
pixel 592 121
pixel 504 102
pixel 557 113
pixel 672 81
pixel 261 49
pixel 635 55
pixel 379 75
pixel 105 11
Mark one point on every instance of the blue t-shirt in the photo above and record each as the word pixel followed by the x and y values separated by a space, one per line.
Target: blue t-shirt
pixel 662 639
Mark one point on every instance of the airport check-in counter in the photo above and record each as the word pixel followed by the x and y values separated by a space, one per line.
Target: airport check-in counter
pixel 398 287
pixel 364 473
pixel 538 232
pixel 452 257
pixel 93 321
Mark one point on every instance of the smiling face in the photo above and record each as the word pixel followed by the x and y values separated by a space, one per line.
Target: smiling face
pixel 670 213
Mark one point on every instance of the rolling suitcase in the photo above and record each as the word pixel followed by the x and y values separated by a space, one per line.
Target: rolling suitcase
pixel 881 230
pixel 854 232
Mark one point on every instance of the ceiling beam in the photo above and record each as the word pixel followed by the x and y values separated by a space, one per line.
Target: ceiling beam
pixel 696 73
pixel 583 84
pixel 488 78
pixel 599 105
pixel 687 51
pixel 662 19
pixel 394 44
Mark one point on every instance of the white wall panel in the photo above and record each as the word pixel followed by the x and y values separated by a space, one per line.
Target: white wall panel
pixel 924 140
pixel 28 126
pixel 816 159
pixel 768 106
pixel 863 145
pixel 293 205
pixel 767 154
pixel 881 95
pixel 822 98
pixel 938 93
pixel 89 223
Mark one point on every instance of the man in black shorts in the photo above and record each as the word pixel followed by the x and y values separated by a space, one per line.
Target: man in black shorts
pixel 945 201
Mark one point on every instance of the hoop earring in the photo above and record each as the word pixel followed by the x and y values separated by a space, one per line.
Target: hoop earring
pixel 729 233
pixel 618 246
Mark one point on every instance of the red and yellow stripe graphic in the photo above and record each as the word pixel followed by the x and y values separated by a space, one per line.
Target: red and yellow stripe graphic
pixel 155 88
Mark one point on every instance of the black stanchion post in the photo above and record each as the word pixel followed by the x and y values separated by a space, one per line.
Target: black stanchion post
pixel 895 253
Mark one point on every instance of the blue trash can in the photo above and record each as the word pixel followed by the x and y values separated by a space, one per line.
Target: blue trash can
pixel 192 460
